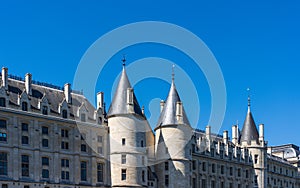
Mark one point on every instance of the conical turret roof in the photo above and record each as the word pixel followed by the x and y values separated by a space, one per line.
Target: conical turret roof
pixel 168 114
pixel 249 131
pixel 119 103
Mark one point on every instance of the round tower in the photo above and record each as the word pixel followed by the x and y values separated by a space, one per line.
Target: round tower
pixel 131 138
pixel 173 148
pixel 254 142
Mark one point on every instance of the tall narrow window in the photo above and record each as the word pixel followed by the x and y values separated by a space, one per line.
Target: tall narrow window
pixel 100 138
pixel 123 141
pixel 45 173
pixel 45 161
pixel 3 164
pixel 64 145
pixel 100 150
pixel 100 172
pixel 64 133
pixel 24 106
pixel 45 143
pixel 256 159
pixel 123 174
pixel 2 124
pixel 45 110
pixel 45 130
pixel 65 114
pixel 166 166
pixel 25 165
pixel 83 118
pixel 166 180
pixel 65 174
pixel 123 159
pixel 83 170
pixel 143 176
pixel 2 102
pixel 83 147
pixel 142 143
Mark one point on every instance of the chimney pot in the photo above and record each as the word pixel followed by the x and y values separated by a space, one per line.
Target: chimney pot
pixel 28 81
pixel 67 92
pixel 5 78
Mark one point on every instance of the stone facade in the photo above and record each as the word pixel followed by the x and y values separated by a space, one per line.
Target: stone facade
pixel 53 137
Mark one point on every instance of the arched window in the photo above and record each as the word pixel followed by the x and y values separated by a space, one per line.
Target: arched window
pixel 2 102
pixel 24 106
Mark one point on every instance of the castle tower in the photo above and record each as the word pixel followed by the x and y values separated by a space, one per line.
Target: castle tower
pixel 254 141
pixel 131 138
pixel 173 149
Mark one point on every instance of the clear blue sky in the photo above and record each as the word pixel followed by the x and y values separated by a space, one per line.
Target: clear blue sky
pixel 256 44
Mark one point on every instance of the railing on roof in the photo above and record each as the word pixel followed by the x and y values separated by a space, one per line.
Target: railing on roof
pixel 14 77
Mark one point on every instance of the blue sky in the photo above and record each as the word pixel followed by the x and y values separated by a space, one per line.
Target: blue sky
pixel 255 43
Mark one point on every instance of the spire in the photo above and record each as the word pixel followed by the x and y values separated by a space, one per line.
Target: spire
pixel 119 103
pixel 168 114
pixel 249 99
pixel 249 131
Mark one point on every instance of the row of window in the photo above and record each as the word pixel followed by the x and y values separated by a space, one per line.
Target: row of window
pixel 280 170
pixel 65 164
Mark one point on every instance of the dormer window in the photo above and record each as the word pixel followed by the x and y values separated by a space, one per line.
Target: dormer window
pixel 2 102
pixel 24 106
pixel 45 110
pixel 83 118
pixel 65 114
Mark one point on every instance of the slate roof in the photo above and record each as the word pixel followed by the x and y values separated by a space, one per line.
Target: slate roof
pixel 249 131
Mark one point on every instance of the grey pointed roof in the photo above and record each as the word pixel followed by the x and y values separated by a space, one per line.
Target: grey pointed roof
pixel 168 114
pixel 119 103
pixel 249 131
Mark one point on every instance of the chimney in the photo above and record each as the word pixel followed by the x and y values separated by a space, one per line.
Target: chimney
pixel 225 137
pixel 208 134
pixel 234 134
pixel 67 92
pixel 28 81
pixel 179 111
pixel 5 78
pixel 130 106
pixel 261 133
pixel 100 100
pixel 162 104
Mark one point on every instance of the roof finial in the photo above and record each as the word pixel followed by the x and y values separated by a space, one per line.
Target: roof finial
pixel 249 99
pixel 124 60
pixel 173 73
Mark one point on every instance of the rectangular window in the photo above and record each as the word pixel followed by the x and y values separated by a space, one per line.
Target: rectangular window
pixel 2 124
pixel 4 186
pixel 123 141
pixel 45 110
pixel 2 102
pixel 45 173
pixel 247 174
pixel 64 133
pixel 65 175
pixel 212 152
pixel 213 184
pixel 100 172
pixel 143 160
pixel 3 164
pixel 166 166
pixel 222 184
pixel 255 159
pixel 25 140
pixel 99 138
pixel 25 165
pixel 213 168
pixel 239 172
pixel 45 143
pixel 123 174
pixel 222 169
pixel 203 166
pixel 83 147
pixel 24 106
pixel 194 164
pixel 83 171
pixel 65 163
pixel 64 145
pixel 123 159
pixel 25 127
pixel 100 150
pixel 45 161
pixel 83 118
pixel 3 137
pixel 45 130
pixel 231 171
pixel 166 180
pixel 143 176
pixel 65 114
pixel 203 183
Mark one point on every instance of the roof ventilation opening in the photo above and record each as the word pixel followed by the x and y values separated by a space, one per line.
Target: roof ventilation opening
pixel 130 105
pixel 179 111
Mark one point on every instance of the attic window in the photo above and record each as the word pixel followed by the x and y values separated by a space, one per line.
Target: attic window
pixel 24 106
pixel 2 102
pixel 82 117
pixel 64 114
pixel 45 110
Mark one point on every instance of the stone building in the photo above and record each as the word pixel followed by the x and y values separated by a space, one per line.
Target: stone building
pixel 53 137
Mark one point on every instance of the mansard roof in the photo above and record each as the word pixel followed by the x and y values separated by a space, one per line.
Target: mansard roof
pixel 249 131
pixel 119 103
pixel 168 114
pixel 54 96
